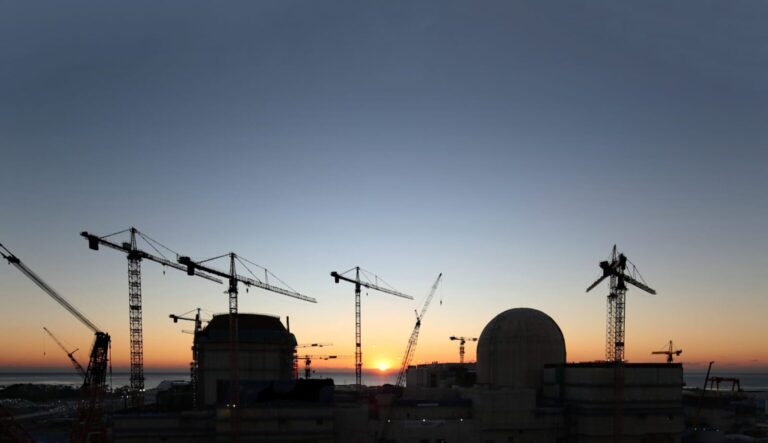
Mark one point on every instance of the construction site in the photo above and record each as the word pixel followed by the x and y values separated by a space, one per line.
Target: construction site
pixel 250 377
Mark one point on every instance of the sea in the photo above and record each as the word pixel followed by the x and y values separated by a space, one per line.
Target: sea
pixel 152 379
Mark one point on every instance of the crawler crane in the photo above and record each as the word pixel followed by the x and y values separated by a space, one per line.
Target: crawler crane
pixel 89 425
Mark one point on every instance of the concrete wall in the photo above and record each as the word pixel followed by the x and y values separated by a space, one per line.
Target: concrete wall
pixel 282 424
pixel 256 362
pixel 647 407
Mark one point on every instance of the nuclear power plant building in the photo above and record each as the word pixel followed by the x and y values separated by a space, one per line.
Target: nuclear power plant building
pixel 521 389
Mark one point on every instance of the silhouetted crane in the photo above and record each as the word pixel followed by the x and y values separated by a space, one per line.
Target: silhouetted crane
pixel 90 410
pixel 668 352
pixel 358 325
pixel 462 342
pixel 234 278
pixel 295 366
pixel 135 256
pixel 308 362
pixel 194 365
pixel 410 349
pixel 196 319
pixel 616 271
pixel 76 364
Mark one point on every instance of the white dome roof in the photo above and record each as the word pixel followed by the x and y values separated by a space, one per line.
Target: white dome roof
pixel 514 347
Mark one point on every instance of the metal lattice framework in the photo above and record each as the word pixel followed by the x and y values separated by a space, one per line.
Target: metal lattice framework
pixel 618 273
pixel 234 278
pixel 135 256
pixel 462 341
pixel 358 320
pixel 135 323
pixel 410 349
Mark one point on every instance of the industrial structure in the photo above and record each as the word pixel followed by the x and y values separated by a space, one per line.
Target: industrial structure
pixel 245 384
pixel 233 338
pixel 520 390
pixel 410 349
pixel 303 346
pixel 266 353
pixel 136 330
pixel 358 321
pixel 193 365
pixel 619 275
pixel 462 342
pixel 89 425
pixel 70 354
pixel 670 352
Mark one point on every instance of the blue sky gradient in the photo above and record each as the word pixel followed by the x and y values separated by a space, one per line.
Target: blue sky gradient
pixel 506 144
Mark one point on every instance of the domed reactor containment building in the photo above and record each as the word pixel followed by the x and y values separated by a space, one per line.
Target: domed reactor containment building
pixel 521 390
pixel 514 347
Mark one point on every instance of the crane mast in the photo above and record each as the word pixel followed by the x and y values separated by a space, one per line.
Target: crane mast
pixel 410 349
pixel 358 321
pixel 669 352
pixel 462 341
pixel 616 271
pixel 295 363
pixel 135 256
pixel 194 365
pixel 234 278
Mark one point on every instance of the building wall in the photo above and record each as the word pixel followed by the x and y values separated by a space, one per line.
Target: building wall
pixel 646 407
pixel 265 352
pixel 256 362
pixel 440 375
pixel 296 424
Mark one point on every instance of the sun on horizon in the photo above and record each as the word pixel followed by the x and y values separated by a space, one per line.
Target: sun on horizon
pixel 383 366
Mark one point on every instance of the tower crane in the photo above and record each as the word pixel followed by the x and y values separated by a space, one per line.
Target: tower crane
pixel 135 256
pixel 462 342
pixel 194 364
pixel 617 271
pixel 78 367
pixel 668 352
pixel 410 349
pixel 295 367
pixel 90 410
pixel 358 326
pixel 234 278
pixel 308 362
pixel 196 319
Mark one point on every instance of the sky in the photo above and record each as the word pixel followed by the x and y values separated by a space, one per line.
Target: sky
pixel 507 144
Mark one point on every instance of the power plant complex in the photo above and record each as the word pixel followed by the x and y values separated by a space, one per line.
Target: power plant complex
pixel 520 389
pixel 245 384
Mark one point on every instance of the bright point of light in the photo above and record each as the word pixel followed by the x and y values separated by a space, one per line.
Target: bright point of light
pixel 383 366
